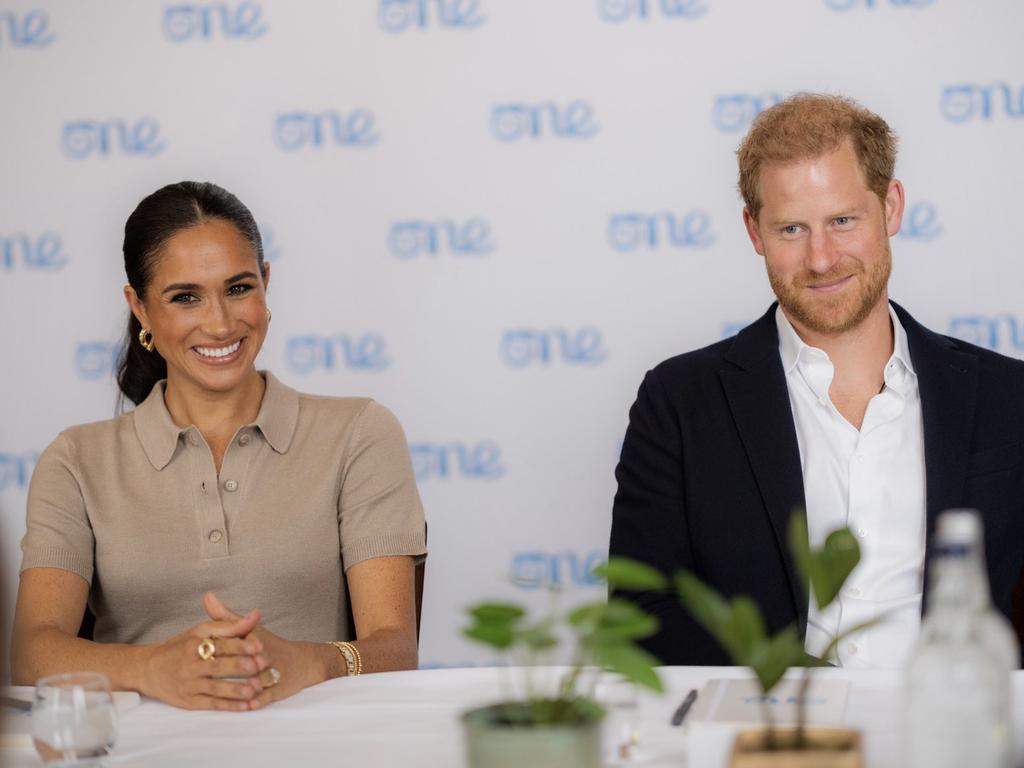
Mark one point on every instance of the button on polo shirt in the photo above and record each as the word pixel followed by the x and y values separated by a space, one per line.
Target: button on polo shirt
pixel 135 506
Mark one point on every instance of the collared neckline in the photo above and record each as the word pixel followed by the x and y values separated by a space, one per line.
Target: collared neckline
pixel 900 360
pixel 277 419
pixel 791 346
pixel 279 413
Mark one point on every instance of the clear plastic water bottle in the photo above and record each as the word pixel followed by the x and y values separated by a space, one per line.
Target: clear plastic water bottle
pixel 958 682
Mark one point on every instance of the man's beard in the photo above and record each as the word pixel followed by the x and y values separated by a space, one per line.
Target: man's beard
pixel 832 314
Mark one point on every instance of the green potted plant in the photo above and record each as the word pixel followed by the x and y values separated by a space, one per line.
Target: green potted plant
pixel 738 626
pixel 560 728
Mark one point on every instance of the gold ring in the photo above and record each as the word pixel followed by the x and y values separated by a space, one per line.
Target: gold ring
pixel 207 649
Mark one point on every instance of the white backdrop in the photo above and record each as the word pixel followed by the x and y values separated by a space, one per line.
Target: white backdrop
pixel 491 215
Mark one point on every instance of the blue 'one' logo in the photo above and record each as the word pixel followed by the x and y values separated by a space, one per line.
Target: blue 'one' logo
pixel 735 111
pixel 522 347
pixel 920 222
pixel 29 31
pixel 623 10
pixel 306 354
pixel 966 101
pixel 96 359
pixel 85 138
pixel 480 461
pixel 632 231
pixel 409 239
pixel 769 698
pixel 1002 332
pixel 43 253
pixel 202 21
pixel 512 122
pixel 297 130
pixel 534 570
pixel 849 5
pixel 400 15
pixel 16 469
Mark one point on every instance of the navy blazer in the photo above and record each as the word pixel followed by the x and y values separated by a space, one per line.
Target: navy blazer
pixel 710 472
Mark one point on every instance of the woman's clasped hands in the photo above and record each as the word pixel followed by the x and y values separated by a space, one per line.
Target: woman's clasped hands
pixel 227 663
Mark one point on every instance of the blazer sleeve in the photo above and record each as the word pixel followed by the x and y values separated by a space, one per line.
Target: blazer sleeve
pixel 649 522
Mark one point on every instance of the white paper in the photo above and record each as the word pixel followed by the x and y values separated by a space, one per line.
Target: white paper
pixel 741 701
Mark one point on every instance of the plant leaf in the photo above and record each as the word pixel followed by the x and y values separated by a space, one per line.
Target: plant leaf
pixel 743 631
pixel 613 622
pixel 827 568
pixel 773 657
pixel 496 636
pixel 539 637
pixel 586 615
pixel 635 629
pixel 800 546
pixel 835 561
pixel 707 606
pixel 634 664
pixel 625 573
pixel 488 613
pixel 737 625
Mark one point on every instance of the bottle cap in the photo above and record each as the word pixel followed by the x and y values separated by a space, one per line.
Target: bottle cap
pixel 959 526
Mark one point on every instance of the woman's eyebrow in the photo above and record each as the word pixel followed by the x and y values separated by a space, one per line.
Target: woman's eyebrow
pixel 196 286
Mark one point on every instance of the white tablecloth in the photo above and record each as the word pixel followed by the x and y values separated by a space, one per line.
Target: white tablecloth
pixel 412 719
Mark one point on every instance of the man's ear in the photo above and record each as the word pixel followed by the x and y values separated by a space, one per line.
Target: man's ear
pixel 894 203
pixel 753 232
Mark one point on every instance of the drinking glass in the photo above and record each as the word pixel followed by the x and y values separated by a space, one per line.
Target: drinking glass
pixel 74 722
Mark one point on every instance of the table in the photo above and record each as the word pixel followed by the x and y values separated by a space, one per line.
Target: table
pixel 411 719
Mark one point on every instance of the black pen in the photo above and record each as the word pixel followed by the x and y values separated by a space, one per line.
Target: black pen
pixel 680 714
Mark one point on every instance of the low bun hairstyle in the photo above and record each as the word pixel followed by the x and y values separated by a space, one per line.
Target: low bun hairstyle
pixel 155 220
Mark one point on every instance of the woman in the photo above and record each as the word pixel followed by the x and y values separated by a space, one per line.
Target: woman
pixel 222 488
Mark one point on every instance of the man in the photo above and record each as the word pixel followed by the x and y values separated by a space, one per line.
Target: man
pixel 836 401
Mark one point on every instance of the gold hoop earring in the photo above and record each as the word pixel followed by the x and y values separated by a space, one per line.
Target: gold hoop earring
pixel 146 339
pixel 269 315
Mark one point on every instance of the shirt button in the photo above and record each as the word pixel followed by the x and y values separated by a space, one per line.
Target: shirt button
pixel 230 485
pixel 854 592
pixel 214 536
pixel 244 440
pixel 193 439
pixel 851 648
pixel 861 533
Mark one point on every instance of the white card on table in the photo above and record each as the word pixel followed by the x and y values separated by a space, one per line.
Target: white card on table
pixel 741 701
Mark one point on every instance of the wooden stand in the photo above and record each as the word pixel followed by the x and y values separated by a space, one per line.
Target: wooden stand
pixel 826 748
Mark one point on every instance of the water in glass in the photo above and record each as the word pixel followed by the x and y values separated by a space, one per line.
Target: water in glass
pixel 74 722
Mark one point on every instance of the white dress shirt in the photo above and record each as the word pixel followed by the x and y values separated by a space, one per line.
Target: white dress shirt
pixel 873 481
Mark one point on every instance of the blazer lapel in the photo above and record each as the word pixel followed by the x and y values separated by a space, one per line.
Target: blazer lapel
pixel 947 379
pixel 755 387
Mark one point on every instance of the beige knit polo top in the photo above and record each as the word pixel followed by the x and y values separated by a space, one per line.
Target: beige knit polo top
pixel 135 506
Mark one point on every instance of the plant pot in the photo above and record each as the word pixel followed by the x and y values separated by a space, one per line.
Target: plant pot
pixel 826 748
pixel 492 741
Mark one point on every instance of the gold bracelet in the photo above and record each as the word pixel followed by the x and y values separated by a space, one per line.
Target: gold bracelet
pixel 353 660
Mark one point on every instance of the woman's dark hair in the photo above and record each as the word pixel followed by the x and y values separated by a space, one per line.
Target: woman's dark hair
pixel 154 221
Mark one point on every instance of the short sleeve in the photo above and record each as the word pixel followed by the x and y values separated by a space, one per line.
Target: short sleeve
pixel 379 508
pixel 58 532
